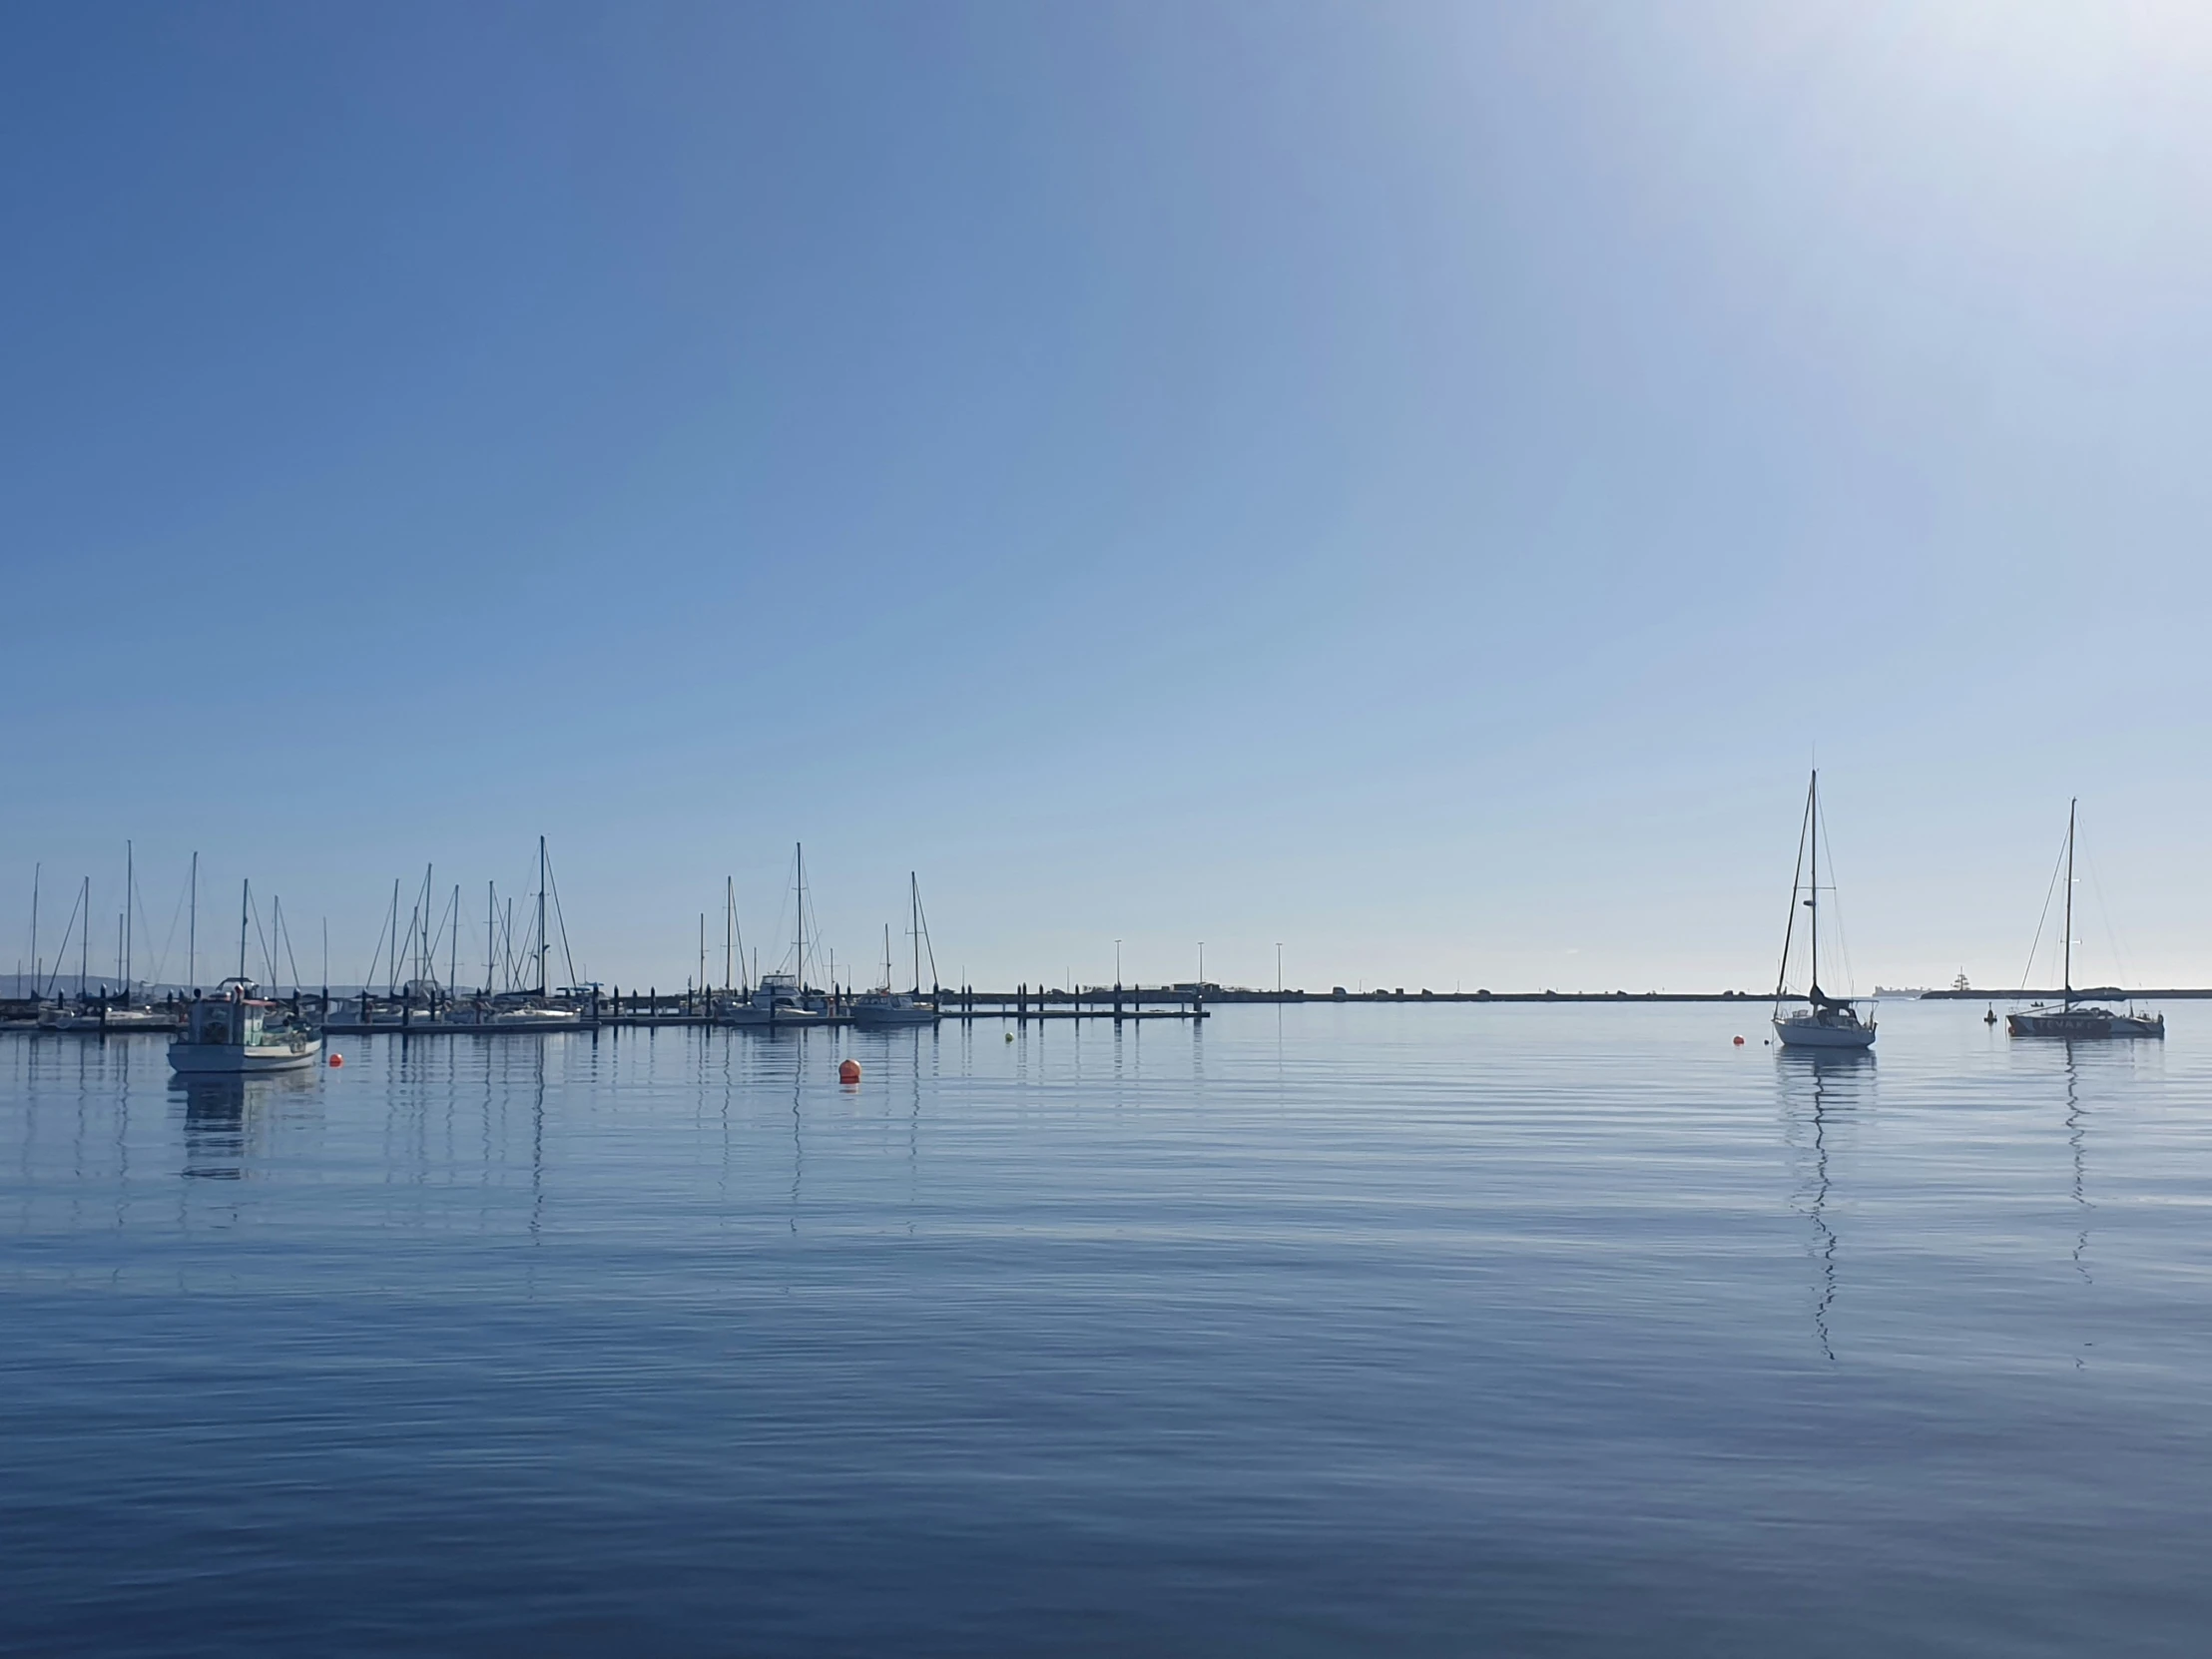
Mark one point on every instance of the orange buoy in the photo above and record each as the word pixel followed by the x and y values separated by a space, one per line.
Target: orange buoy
pixel 338 1060
pixel 849 1071
pixel 1739 1042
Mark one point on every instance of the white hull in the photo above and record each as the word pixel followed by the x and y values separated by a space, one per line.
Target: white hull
pixel 225 1059
pixel 782 1016
pixel 866 1013
pixel 119 1020
pixel 1806 1034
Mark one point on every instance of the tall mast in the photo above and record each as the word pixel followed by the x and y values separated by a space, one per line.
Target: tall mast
pixel 913 922
pixel 83 940
pixel 191 931
pixel 491 930
pixel 544 951
pixel 37 871
pixel 129 888
pixel 1813 806
pixel 245 899
pixel 886 955
pixel 728 926
pixel 2067 973
pixel 799 866
pixel 453 948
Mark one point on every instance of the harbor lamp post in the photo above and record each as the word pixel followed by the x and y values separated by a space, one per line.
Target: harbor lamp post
pixel 1117 964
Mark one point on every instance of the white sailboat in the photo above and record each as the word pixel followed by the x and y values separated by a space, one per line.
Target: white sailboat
pixel 783 998
pixel 2070 1018
pixel 886 1007
pixel 1826 1021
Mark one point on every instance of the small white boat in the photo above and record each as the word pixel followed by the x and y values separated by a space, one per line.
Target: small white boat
pixel 778 999
pixel 531 1019
pixel 234 1032
pixel 141 1019
pixel 112 1019
pixel 1826 1021
pixel 885 1009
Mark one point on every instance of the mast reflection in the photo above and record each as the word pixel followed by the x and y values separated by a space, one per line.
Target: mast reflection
pixel 2078 1139
pixel 1819 1087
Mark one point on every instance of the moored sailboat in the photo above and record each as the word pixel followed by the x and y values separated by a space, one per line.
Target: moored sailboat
pixel 886 1007
pixel 784 998
pixel 1826 1021
pixel 2070 1017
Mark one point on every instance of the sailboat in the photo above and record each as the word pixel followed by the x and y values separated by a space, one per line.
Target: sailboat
pixel 2070 1018
pixel 1826 1021
pixel 886 1006
pixel 783 998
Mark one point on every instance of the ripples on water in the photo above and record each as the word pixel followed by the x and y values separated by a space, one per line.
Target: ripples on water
pixel 1366 1329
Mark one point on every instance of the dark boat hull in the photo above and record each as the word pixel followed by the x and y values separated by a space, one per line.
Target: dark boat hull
pixel 2082 1022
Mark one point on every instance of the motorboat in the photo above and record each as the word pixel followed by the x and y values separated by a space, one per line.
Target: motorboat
pixel 237 1032
pixel 778 999
pixel 887 1008
pixel 115 1018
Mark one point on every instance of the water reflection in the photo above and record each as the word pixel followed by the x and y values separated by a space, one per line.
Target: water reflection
pixel 2078 1140
pixel 222 1115
pixel 1817 1088
pixel 214 1128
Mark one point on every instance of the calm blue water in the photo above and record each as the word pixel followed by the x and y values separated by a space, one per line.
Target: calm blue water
pixel 1367 1330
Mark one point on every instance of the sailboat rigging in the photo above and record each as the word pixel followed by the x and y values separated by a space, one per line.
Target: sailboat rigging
pixel 783 998
pixel 2069 1018
pixel 1826 1021
pixel 889 1007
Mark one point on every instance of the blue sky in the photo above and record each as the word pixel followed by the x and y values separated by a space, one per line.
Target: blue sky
pixel 1416 483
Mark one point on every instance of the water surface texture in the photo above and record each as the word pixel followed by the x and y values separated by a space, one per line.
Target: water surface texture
pixel 1448 1329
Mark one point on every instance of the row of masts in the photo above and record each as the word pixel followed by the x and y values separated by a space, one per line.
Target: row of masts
pixel 517 959
pixel 512 966
pixel 740 974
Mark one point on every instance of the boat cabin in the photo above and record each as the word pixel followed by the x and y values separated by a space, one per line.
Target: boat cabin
pixel 230 1018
